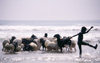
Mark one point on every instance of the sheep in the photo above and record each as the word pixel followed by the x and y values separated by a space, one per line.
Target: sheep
pixel 14 45
pixel 19 45
pixel 28 44
pixel 4 43
pixel 9 48
pixel 42 42
pixel 33 46
pixel 52 39
pixel 19 41
pixel 49 44
pixel 18 48
pixel 61 42
pixel 8 45
pixel 69 44
pixel 38 43
pixel 73 45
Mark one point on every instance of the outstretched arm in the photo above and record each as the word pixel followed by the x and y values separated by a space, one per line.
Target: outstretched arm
pixel 89 29
pixel 74 35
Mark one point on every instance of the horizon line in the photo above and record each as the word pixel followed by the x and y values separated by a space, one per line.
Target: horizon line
pixel 48 20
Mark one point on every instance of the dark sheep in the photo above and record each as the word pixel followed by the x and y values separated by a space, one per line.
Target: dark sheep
pixel 62 42
pixel 42 41
pixel 27 41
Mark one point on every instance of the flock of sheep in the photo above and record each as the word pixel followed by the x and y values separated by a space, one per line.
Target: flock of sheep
pixel 56 43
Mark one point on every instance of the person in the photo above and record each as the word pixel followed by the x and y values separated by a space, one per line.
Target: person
pixel 80 39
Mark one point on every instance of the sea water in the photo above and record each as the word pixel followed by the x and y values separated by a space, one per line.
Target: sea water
pixel 23 29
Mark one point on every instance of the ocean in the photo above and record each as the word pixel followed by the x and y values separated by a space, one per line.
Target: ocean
pixel 23 29
pixel 27 28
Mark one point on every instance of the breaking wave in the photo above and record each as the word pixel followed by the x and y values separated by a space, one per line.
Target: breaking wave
pixel 44 28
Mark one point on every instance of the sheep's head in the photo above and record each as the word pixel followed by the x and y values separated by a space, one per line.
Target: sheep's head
pixel 42 40
pixel 57 36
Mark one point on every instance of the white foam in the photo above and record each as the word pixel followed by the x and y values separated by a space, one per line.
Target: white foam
pixel 43 28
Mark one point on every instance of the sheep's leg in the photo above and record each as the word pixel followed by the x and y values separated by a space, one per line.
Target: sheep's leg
pixel 75 49
pixel 3 49
pixel 42 48
pixel 56 49
pixel 67 48
pixel 61 49
pixel 45 48
pixel 70 49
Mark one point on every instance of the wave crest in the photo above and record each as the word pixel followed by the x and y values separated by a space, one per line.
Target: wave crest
pixel 44 28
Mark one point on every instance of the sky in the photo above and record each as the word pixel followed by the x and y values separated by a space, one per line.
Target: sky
pixel 49 9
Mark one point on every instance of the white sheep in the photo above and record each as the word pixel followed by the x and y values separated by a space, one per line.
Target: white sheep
pixel 51 44
pixel 19 43
pixel 18 48
pixel 72 46
pixel 9 48
pixel 4 43
pixel 38 43
pixel 34 46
